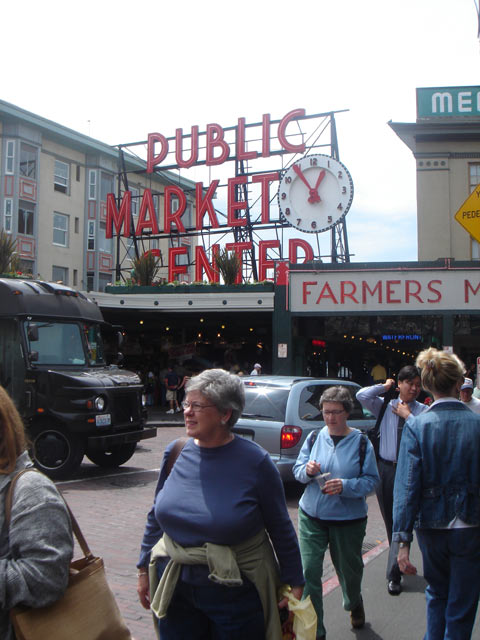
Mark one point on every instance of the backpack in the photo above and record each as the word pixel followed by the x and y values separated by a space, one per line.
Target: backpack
pixel 362 446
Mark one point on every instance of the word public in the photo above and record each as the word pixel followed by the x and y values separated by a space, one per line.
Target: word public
pixel 217 151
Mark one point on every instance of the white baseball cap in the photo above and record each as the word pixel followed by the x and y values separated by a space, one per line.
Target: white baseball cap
pixel 467 384
pixel 257 366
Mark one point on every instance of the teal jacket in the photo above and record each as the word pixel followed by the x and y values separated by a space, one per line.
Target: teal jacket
pixel 342 461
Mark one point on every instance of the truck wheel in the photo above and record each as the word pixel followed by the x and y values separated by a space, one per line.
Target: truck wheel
pixel 114 456
pixel 55 451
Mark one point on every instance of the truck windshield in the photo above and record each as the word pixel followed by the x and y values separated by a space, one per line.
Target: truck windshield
pixel 65 343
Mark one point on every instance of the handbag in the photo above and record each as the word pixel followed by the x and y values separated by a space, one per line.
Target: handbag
pixel 87 610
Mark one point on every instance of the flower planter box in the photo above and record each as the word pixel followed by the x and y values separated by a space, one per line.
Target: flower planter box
pixel 190 288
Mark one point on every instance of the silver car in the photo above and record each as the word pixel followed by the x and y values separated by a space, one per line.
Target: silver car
pixel 280 412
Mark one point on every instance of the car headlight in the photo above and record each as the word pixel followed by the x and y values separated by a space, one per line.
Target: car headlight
pixel 144 400
pixel 99 403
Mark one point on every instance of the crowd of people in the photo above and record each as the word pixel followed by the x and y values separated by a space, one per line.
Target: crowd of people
pixel 219 547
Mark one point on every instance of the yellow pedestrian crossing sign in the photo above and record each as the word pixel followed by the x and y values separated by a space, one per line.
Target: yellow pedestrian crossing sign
pixel 469 214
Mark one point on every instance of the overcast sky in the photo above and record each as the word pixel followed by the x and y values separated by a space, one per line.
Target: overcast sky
pixel 117 70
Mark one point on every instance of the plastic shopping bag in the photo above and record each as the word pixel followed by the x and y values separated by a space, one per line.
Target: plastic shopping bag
pixel 304 617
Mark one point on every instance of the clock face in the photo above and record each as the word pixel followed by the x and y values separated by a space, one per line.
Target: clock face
pixel 315 193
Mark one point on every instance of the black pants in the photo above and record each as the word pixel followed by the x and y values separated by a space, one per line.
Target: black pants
pixel 385 501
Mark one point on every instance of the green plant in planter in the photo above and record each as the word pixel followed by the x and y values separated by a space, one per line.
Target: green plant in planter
pixel 145 268
pixel 8 257
pixel 228 263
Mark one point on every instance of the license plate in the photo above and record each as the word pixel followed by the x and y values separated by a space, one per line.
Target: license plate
pixel 103 420
pixel 247 436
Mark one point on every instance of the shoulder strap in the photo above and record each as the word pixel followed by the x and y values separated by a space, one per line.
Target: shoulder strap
pixel 175 452
pixel 75 526
pixel 312 436
pixel 362 450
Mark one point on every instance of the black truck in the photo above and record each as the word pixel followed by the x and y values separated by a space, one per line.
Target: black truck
pixel 53 364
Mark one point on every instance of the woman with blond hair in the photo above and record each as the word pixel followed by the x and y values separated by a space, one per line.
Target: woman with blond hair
pixel 437 489
pixel 36 545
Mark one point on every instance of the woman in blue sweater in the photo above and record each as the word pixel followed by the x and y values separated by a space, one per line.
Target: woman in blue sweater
pixel 338 466
pixel 206 533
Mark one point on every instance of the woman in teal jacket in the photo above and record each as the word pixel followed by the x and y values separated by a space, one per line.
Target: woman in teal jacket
pixel 338 466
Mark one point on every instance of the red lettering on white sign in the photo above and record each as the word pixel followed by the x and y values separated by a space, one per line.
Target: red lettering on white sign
pixel 377 290
pixel 344 284
pixel 326 292
pixel 468 288
pixel 409 285
pixel 306 291
pixel 431 288
pixel 390 284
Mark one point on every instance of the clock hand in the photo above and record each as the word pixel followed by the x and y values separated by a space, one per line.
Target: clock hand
pixel 313 197
pixel 299 173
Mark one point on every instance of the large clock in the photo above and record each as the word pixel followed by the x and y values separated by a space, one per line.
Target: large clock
pixel 315 193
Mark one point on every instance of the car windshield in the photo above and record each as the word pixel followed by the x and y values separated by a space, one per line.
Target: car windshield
pixel 61 343
pixel 265 402
pixel 308 408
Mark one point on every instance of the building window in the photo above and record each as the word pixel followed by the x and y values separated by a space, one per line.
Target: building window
pixel 28 161
pixel 75 277
pixel 106 185
pixel 60 274
pixel 104 244
pixel 91 236
pixel 26 216
pixel 135 200
pixel 78 172
pixel 90 281
pixel 92 184
pixel 61 177
pixel 8 213
pixel 10 157
pixel 77 225
pixel 60 229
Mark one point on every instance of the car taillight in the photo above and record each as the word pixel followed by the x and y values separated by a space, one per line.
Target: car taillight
pixel 290 436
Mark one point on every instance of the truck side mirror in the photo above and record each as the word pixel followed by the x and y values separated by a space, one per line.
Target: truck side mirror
pixel 119 339
pixel 33 356
pixel 120 358
pixel 32 332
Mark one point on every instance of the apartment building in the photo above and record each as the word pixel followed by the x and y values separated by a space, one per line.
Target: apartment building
pixel 53 200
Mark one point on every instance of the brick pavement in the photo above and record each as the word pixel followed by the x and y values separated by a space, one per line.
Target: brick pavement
pixel 111 508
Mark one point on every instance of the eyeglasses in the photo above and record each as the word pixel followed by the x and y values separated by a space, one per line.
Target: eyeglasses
pixel 337 412
pixel 195 406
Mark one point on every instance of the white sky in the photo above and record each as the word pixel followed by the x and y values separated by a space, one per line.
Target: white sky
pixel 118 70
